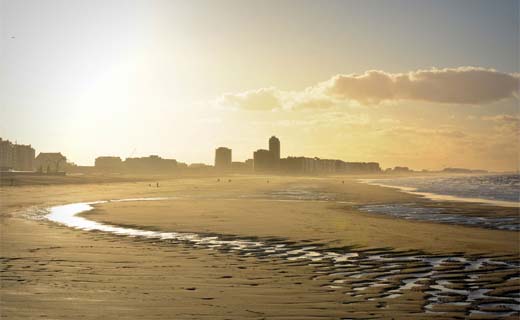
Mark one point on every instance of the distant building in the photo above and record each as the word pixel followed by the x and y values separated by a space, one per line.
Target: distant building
pixel 200 168
pixel 6 155
pixel 181 165
pixel 297 165
pixel 109 164
pixel 274 149
pixel 199 165
pixel 262 160
pixel 150 164
pixel 23 157
pixel 268 160
pixel 50 162
pixel 16 156
pixel 325 166
pixel 462 170
pixel 242 167
pixel 401 170
pixel 317 166
pixel 250 164
pixel 223 159
pixel 357 167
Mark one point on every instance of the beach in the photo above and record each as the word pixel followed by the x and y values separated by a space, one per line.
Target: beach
pixel 307 251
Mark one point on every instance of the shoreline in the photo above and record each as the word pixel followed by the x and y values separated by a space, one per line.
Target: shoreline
pixel 75 216
pixel 312 255
pixel 175 278
pixel 441 197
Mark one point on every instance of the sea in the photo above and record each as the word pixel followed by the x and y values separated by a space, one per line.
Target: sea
pixel 490 189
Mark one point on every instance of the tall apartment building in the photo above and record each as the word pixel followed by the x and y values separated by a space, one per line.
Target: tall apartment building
pixel 16 156
pixel 268 160
pixel 223 159
pixel 274 149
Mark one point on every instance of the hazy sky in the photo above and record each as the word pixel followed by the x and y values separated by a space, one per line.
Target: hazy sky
pixel 425 84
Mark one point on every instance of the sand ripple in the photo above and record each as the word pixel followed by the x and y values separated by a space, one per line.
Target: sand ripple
pixel 480 286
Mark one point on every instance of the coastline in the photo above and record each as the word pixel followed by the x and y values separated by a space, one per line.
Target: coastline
pixel 195 282
pixel 441 197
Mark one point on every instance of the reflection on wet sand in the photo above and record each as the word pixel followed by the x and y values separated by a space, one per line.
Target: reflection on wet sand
pixel 450 283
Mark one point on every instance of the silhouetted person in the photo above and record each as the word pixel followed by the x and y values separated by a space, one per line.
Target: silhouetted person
pixel 157 184
pixel 229 180
pixel 218 180
pixel 343 181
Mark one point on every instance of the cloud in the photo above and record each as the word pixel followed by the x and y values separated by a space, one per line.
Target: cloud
pixel 463 85
pixel 273 99
pixel 456 134
pixel 416 131
pixel 389 121
pixel 261 99
pixel 327 120
pixel 505 123
pixel 503 118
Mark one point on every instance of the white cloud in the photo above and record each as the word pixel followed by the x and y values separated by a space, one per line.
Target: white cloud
pixel 463 85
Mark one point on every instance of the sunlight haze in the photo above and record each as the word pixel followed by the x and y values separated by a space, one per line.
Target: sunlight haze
pixel 334 79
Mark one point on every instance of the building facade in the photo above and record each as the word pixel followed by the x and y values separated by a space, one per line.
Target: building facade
pixel 274 149
pixel 110 164
pixel 23 157
pixel 150 164
pixel 223 159
pixel 262 160
pixel 17 157
pixel 50 162
pixel 268 160
pixel 6 155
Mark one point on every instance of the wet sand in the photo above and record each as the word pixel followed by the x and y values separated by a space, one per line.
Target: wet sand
pixel 58 271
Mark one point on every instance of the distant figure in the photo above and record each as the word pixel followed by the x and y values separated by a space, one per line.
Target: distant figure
pixel 157 184
pixel 218 180
pixel 343 181
pixel 229 180
pixel 150 185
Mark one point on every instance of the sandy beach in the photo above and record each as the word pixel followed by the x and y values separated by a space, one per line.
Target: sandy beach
pixel 393 268
pixel 279 160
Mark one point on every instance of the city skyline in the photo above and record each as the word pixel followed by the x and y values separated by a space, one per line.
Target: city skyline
pixel 19 157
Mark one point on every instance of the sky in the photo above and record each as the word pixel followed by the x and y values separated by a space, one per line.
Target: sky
pixel 424 84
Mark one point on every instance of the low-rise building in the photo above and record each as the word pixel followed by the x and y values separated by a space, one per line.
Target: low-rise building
pixel 109 164
pixel 150 164
pixel 262 160
pixel 50 162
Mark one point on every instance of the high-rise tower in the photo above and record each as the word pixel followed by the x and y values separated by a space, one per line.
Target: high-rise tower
pixel 223 159
pixel 274 149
